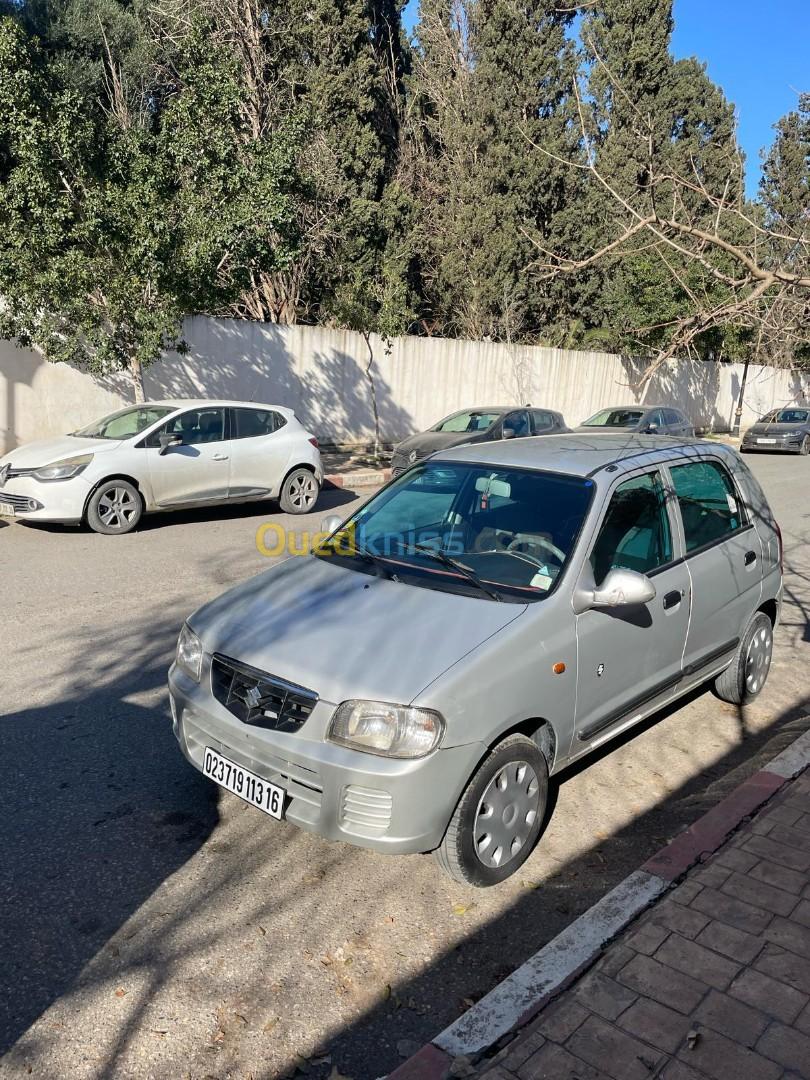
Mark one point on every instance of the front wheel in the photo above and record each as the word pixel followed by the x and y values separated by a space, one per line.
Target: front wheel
pixel 299 492
pixel 805 447
pixel 115 507
pixel 499 816
pixel 745 676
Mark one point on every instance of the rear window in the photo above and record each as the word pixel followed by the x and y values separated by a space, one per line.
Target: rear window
pixel 251 423
pixel 708 500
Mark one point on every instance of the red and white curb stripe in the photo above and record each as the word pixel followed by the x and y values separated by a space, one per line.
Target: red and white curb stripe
pixel 523 994
pixel 358 478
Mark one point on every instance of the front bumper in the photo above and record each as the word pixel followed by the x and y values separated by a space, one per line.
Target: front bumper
pixel 397 806
pixel 56 500
pixel 791 444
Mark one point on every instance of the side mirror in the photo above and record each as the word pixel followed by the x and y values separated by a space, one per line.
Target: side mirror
pixel 167 441
pixel 651 429
pixel 621 588
pixel 508 433
pixel 331 524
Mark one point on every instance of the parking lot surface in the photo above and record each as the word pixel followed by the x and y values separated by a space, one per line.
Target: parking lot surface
pixel 152 927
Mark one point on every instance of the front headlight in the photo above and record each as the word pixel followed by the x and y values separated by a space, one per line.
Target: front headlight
pixel 189 653
pixel 377 727
pixel 64 470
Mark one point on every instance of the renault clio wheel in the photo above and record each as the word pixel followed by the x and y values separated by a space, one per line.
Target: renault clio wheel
pixel 299 492
pixel 115 507
pixel 499 816
pixel 747 673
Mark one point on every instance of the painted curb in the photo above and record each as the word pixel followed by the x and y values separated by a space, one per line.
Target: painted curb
pixel 516 1000
pixel 364 478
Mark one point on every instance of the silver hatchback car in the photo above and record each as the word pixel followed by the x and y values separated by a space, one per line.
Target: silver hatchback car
pixel 490 616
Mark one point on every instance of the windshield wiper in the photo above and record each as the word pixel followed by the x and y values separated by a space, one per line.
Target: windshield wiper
pixel 354 552
pixel 454 564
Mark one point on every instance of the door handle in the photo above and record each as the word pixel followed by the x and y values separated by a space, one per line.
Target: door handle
pixel 672 599
pixel 750 558
pixel 220 457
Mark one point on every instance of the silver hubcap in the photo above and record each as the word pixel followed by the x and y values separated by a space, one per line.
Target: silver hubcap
pixel 758 659
pixel 303 490
pixel 117 507
pixel 506 813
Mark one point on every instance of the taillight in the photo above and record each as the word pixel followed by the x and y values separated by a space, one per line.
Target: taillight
pixel 781 548
pixel 314 441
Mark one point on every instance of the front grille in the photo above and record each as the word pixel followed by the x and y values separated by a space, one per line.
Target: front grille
pixel 259 699
pixel 21 503
pixel 366 810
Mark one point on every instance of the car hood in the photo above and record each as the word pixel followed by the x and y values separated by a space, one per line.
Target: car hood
pixel 428 442
pixel 347 634
pixel 45 451
pixel 777 429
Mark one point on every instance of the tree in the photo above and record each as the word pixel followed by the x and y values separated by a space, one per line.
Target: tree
pixel 86 267
pixel 721 275
pixel 490 74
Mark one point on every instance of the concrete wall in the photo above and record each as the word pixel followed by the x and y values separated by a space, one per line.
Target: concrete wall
pixel 321 374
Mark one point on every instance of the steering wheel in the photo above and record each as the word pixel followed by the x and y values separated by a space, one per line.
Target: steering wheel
pixel 527 540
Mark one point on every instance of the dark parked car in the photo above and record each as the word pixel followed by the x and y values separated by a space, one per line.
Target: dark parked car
pixel 642 419
pixel 477 425
pixel 782 429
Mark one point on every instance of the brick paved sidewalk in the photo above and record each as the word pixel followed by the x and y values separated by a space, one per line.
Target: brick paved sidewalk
pixel 712 981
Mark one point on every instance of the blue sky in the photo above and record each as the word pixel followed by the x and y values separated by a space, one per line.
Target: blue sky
pixel 758 51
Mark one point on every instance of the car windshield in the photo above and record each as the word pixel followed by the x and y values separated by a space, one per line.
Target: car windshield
pixel 509 532
pixel 787 416
pixel 468 421
pixel 619 418
pixel 126 423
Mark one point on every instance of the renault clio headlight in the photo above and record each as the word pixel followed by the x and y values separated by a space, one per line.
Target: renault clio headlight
pixel 64 470
pixel 189 653
pixel 377 727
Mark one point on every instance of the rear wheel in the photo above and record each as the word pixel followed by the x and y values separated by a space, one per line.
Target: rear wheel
pixel 747 673
pixel 299 492
pixel 499 816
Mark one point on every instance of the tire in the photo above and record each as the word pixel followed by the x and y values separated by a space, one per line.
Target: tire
pixel 805 447
pixel 517 763
pixel 115 508
pixel 299 492
pixel 747 673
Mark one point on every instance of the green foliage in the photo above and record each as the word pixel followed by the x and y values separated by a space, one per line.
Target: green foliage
pixel 305 162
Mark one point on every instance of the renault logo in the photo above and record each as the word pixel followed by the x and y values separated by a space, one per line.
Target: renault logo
pixel 4 474
pixel 412 456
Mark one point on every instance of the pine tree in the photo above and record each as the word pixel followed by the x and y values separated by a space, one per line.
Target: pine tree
pixel 497 84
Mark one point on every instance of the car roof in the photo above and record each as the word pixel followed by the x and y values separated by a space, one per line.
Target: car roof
pixel 581 455
pixel 207 403
pixel 637 408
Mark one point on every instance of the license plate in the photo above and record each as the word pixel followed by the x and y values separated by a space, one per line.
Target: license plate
pixel 6 510
pixel 770 442
pixel 244 783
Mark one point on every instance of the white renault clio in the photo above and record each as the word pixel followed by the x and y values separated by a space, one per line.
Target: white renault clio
pixel 160 456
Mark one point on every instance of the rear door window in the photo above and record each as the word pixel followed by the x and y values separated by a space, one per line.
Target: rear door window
pixel 635 533
pixel 541 420
pixel 710 507
pixel 252 423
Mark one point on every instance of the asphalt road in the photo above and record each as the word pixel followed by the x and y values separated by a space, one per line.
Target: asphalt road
pixel 151 928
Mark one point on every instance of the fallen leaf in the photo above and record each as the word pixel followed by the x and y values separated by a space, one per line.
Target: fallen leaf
pixel 530 884
pixel 386 994
pixel 239 1016
pixel 270 1025
pixel 461 909
pixel 120 992
pixel 262 931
